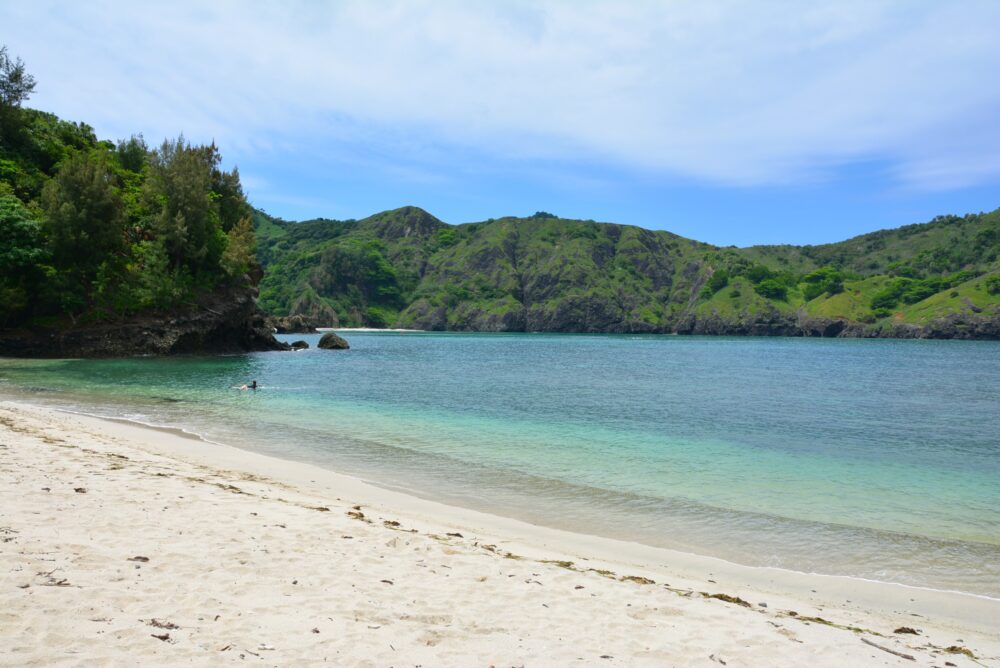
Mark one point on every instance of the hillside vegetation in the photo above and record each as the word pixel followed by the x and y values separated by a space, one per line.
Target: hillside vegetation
pixel 406 268
pixel 97 233
pixel 96 230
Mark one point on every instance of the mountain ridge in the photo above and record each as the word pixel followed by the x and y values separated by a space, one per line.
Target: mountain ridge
pixel 406 268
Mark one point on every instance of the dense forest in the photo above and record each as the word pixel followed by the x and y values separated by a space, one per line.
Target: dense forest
pixel 406 268
pixel 95 231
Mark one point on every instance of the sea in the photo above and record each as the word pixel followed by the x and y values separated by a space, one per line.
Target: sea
pixel 874 459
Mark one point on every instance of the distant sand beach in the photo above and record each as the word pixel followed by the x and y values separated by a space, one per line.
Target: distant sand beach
pixel 121 544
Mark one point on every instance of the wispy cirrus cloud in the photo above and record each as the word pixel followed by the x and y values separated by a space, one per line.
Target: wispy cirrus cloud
pixel 732 93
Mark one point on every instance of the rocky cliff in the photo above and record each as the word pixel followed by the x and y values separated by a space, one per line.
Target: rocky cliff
pixel 225 320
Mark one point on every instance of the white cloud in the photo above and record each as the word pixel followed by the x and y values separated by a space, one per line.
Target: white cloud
pixel 739 93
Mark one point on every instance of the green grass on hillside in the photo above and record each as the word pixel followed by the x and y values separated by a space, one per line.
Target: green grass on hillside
pixel 407 268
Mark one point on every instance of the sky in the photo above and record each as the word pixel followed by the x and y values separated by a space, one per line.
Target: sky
pixel 729 122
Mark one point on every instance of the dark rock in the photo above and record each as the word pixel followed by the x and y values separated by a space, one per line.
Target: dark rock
pixel 765 323
pixel 299 345
pixel 226 320
pixel 824 327
pixel 295 324
pixel 967 325
pixel 331 341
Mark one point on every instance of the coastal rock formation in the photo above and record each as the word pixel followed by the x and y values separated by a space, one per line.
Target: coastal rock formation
pixel 226 320
pixel 295 324
pixel 966 325
pixel 331 341
pixel 969 326
pixel 299 345
pixel 767 322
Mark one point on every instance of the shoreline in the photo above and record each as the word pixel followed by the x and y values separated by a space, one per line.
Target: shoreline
pixel 978 329
pixel 498 521
pixel 407 496
pixel 844 601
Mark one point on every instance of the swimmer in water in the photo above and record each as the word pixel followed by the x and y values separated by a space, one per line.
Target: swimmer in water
pixel 251 386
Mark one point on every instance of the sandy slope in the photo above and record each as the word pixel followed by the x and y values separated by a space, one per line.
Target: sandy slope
pixel 120 544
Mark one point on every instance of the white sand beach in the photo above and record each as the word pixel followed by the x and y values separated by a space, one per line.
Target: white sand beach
pixel 121 544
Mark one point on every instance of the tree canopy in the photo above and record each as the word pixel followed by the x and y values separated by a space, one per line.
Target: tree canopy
pixel 16 85
pixel 102 229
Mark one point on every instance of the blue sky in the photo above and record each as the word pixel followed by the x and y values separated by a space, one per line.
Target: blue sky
pixel 730 122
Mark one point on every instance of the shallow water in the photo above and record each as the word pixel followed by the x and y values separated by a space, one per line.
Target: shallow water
pixel 871 458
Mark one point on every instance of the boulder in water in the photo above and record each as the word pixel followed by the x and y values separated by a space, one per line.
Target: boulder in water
pixel 331 341
pixel 299 345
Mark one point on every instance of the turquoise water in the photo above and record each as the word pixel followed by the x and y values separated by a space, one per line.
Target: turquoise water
pixel 870 458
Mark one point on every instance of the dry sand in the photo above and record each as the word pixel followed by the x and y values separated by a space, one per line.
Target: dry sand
pixel 126 545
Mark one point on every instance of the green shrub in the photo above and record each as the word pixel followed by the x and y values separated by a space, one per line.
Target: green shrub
pixel 889 296
pixel 811 291
pixel 833 286
pixel 758 273
pixel 716 282
pixel 379 317
pixel 772 289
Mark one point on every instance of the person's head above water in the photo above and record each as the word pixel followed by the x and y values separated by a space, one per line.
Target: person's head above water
pixel 253 384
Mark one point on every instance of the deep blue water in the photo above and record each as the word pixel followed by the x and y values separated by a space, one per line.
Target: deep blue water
pixel 871 458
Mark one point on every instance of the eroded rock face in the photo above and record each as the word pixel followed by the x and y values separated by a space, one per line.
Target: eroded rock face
pixel 224 321
pixel 966 325
pixel 331 341
pixel 296 324
pixel 768 322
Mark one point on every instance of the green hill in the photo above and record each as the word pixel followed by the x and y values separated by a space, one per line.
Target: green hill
pixel 406 268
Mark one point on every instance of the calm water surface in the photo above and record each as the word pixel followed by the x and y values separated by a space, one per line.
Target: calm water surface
pixel 869 458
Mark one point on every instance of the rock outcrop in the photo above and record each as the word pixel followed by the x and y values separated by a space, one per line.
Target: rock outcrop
pixel 295 324
pixel 331 341
pixel 226 320
pixel 966 325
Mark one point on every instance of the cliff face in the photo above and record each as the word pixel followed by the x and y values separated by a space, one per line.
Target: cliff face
pixel 226 320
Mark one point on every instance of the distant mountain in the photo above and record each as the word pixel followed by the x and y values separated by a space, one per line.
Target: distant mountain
pixel 406 268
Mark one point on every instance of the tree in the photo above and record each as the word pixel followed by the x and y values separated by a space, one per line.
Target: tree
pixel 771 289
pixel 186 216
pixel 132 153
pixel 21 252
pixel 240 245
pixel 16 85
pixel 229 197
pixel 993 285
pixel 718 280
pixel 20 241
pixel 84 219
